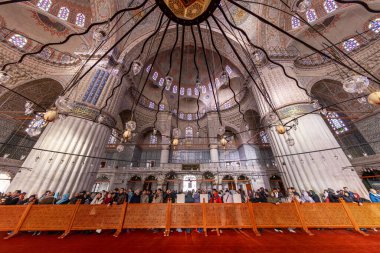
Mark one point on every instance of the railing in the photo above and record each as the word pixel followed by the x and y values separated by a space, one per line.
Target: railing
pixel 78 217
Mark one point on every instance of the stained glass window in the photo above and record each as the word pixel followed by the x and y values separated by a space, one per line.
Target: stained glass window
pixel 196 92
pixel 155 75
pixel 227 105
pixel 64 13
pixel 148 68
pixel 18 40
pixel 264 137
pixel 311 15
pixel 80 20
pixel 210 86
pixel 295 22
pixel 182 91
pixel 350 44
pixel 374 25
pixel 204 89
pixel 161 82
pixel 189 116
pixel 44 4
pixel 151 105
pixel 336 123
pixel 153 139
pixel 181 115
pixel 162 107
pixel 175 89
pixel 330 6
pixel 189 91
pixel 189 131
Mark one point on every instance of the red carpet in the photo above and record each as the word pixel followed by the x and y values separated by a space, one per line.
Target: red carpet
pixel 230 241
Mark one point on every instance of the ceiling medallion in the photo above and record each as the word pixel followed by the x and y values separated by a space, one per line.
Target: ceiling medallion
pixel 188 12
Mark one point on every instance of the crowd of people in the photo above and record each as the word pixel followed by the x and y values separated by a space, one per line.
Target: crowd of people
pixel 119 196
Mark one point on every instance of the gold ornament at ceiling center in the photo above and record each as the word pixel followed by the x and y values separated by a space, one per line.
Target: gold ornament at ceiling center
pixel 188 9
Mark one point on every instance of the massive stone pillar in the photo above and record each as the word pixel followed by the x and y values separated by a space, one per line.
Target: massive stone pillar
pixel 212 128
pixel 301 166
pixel 65 158
pixel 164 120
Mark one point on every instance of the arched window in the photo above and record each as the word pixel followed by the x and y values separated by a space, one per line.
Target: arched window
pixel 148 68
pixel 153 139
pixel 182 91
pixel 155 75
pixel 196 92
pixel 264 137
pixel 330 6
pixel 204 89
pixel 80 19
pixel 181 115
pixel 210 86
pixel 162 107
pixel 64 13
pixel 189 116
pixel 350 44
pixel 336 123
pixel 175 89
pixel 161 82
pixel 189 91
pixel 189 131
pixel 44 4
pixel 374 25
pixel 151 105
pixel 227 105
pixel 18 40
pixel 295 22
pixel 311 15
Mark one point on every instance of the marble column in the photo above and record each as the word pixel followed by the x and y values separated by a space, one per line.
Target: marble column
pixel 306 171
pixel 67 155
pixel 164 160
pixel 214 155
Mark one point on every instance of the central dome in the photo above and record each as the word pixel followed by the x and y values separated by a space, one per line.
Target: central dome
pixel 188 12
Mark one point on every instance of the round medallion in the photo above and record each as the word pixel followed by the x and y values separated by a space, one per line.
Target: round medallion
pixel 188 12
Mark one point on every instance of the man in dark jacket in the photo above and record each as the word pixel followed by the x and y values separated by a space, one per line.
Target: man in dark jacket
pixel 136 198
pixel 13 199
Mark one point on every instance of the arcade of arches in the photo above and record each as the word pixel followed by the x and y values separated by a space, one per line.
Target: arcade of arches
pixel 181 106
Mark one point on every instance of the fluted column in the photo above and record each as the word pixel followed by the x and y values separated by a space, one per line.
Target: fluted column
pixel 62 171
pixel 300 166
pixel 66 157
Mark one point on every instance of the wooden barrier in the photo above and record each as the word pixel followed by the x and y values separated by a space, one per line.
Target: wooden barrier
pixel 68 218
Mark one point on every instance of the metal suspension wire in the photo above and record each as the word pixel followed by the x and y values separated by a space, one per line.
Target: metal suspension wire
pixel 147 76
pixel 167 74
pixel 198 77
pixel 130 65
pixel 246 68
pixel 209 74
pixel 221 64
pixel 75 34
pixel 263 20
pixel 266 55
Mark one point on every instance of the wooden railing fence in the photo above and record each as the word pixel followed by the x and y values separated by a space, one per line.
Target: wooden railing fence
pixel 166 216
